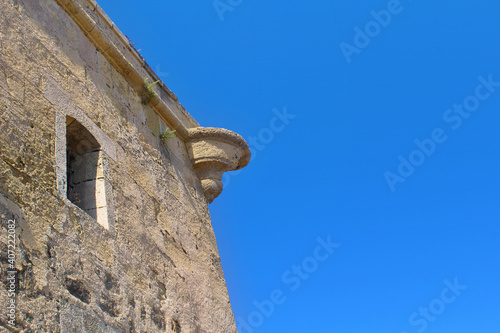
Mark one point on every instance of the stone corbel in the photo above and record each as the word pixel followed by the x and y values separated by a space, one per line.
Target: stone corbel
pixel 213 152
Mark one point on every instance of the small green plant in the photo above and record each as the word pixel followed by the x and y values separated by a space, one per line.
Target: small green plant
pixel 165 136
pixel 150 94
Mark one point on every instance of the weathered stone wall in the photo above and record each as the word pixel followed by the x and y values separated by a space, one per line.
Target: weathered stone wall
pixel 155 266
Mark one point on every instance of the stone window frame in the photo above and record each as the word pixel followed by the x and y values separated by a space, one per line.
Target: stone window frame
pixel 65 108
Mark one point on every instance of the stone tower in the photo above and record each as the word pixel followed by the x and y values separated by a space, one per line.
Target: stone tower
pixel 104 219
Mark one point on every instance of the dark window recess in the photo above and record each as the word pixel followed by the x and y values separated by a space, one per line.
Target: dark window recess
pixel 85 181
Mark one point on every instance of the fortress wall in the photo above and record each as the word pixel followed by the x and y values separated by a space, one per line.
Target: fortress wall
pixel 148 262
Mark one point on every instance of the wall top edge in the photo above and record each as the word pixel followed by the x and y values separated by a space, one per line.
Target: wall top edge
pixel 141 61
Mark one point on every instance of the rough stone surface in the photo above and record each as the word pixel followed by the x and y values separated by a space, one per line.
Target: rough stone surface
pixel 155 267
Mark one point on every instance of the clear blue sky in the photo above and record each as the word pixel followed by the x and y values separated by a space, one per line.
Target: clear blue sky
pixel 419 246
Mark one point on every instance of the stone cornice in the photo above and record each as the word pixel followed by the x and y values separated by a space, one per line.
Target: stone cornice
pixel 213 151
pixel 125 60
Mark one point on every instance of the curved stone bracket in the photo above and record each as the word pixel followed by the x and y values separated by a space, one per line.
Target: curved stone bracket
pixel 214 151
